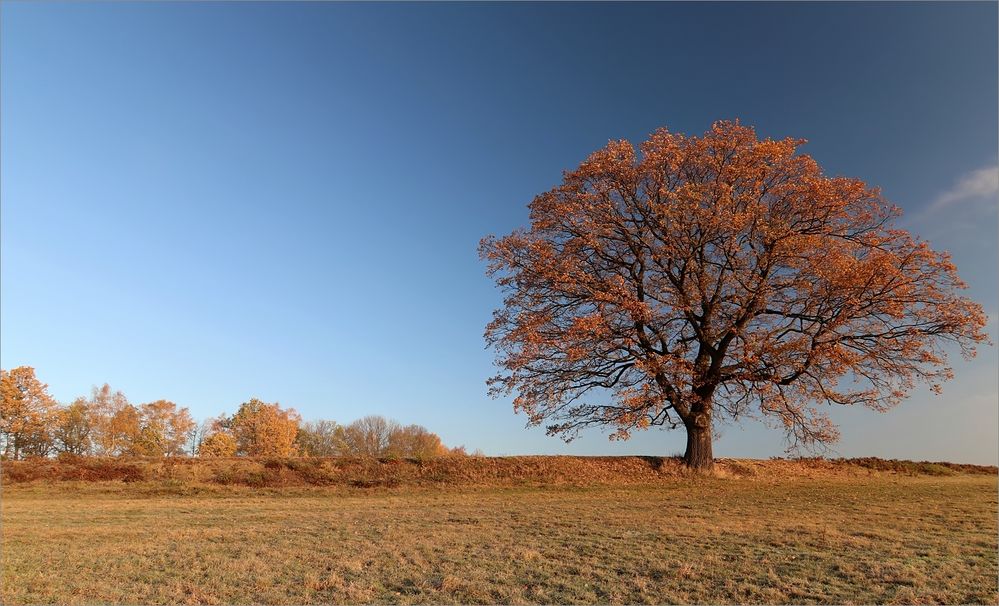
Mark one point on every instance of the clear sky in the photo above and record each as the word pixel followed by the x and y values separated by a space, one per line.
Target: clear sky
pixel 210 202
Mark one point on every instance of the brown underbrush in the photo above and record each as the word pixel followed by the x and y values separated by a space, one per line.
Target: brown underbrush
pixel 447 471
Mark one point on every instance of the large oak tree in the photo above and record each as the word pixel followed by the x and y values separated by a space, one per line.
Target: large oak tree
pixel 717 276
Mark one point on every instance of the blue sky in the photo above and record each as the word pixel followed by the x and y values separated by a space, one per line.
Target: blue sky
pixel 210 202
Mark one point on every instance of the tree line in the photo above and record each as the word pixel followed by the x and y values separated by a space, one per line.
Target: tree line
pixel 106 424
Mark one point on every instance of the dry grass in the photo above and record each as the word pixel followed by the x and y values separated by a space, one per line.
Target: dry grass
pixel 445 471
pixel 859 536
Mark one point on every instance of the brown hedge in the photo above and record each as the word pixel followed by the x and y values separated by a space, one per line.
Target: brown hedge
pixel 444 471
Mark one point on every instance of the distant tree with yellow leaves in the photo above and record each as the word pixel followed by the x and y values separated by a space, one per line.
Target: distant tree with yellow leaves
pixel 26 414
pixel 261 429
pixel 115 421
pixel 376 436
pixel 73 429
pixel 415 441
pixel 164 429
pixel 219 444
pixel 320 439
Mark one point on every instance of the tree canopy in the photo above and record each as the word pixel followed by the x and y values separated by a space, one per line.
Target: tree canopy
pixel 717 276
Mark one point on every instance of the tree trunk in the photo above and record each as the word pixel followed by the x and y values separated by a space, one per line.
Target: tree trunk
pixel 698 455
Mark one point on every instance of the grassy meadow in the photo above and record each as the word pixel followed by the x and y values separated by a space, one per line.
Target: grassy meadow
pixel 518 530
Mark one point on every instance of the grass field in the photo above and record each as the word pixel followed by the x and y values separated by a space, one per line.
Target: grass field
pixel 846 538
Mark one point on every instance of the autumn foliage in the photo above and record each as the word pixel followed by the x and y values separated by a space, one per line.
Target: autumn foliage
pixel 218 444
pixel 26 412
pixel 262 429
pixel 106 424
pixel 33 424
pixel 718 277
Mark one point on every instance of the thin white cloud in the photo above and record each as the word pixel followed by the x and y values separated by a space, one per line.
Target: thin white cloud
pixel 981 185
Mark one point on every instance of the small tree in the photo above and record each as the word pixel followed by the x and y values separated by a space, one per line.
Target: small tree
pixel 369 436
pixel 263 429
pixel 414 441
pixel 73 429
pixel 180 426
pixel 122 433
pixel 218 444
pixel 712 277
pixel 320 439
pixel 164 429
pixel 115 422
pixel 27 414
